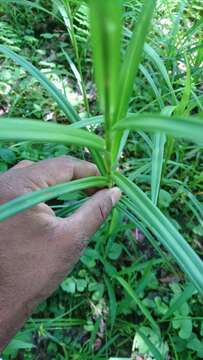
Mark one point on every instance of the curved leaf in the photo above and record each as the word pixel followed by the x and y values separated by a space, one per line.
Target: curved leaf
pixel 30 4
pixel 56 94
pixel 190 128
pixel 106 26
pixel 159 63
pixel 138 302
pixel 133 57
pixel 130 67
pixel 163 229
pixel 159 140
pixel 40 131
pixel 28 200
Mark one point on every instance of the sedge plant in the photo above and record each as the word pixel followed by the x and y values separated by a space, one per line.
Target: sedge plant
pixel 115 76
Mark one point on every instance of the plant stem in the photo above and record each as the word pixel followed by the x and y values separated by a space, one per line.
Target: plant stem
pixel 108 156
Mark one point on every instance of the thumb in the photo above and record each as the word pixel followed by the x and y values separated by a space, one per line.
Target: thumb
pixel 89 217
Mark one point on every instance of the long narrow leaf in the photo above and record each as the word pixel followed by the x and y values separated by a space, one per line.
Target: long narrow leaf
pixel 182 298
pixel 99 161
pixel 30 4
pixel 158 139
pixel 158 62
pixel 56 94
pixel 105 20
pixel 190 128
pixel 125 205
pixel 91 121
pixel 152 348
pixel 181 108
pixel 28 200
pixel 40 131
pixel 133 57
pixel 163 229
pixel 153 85
pixel 158 158
pixel 62 9
pixel 138 302
pixel 157 163
pixel 74 70
pixel 130 67
pixel 112 301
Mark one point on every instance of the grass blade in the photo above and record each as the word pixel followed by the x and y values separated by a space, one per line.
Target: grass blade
pixel 158 158
pixel 125 205
pixel 105 20
pixel 99 161
pixel 158 62
pixel 138 302
pixel 182 298
pixel 29 4
pixel 133 58
pixel 158 139
pixel 28 200
pixel 40 131
pixel 157 164
pixel 130 67
pixel 112 301
pixel 190 128
pixel 162 228
pixel 74 70
pixel 56 94
pixel 198 205
pixel 68 14
pixel 153 85
pixel 152 348
pixel 87 122
pixel 181 108
pixel 62 9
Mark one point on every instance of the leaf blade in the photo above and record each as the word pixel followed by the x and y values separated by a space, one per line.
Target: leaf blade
pixel 129 69
pixel 28 200
pixel 162 228
pixel 159 141
pixel 190 128
pixel 105 21
pixel 133 57
pixel 159 63
pixel 63 103
pixel 152 348
pixel 138 302
pixel 23 129
pixel 182 298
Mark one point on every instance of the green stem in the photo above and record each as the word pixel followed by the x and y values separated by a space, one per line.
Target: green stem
pixel 108 141
pixel 108 157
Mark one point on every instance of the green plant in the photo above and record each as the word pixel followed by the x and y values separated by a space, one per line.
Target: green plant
pixel 115 80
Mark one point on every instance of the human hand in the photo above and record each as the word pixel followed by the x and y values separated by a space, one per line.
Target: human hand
pixel 37 249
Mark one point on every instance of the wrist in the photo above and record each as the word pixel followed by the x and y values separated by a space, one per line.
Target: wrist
pixel 12 318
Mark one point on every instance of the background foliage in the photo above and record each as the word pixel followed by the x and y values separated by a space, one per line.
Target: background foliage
pixel 125 298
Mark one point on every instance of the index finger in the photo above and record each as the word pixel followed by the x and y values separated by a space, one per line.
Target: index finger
pixel 58 170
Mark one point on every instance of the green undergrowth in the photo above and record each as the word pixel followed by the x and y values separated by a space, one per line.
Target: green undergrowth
pixel 126 298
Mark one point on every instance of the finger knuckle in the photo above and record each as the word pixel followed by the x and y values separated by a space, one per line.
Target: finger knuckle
pixel 25 163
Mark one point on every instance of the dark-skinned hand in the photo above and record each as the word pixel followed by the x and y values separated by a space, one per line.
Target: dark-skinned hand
pixel 38 249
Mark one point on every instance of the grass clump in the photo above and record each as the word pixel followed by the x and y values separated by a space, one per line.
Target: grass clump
pixel 161 107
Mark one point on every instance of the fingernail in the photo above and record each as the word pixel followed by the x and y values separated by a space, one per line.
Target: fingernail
pixel 115 195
